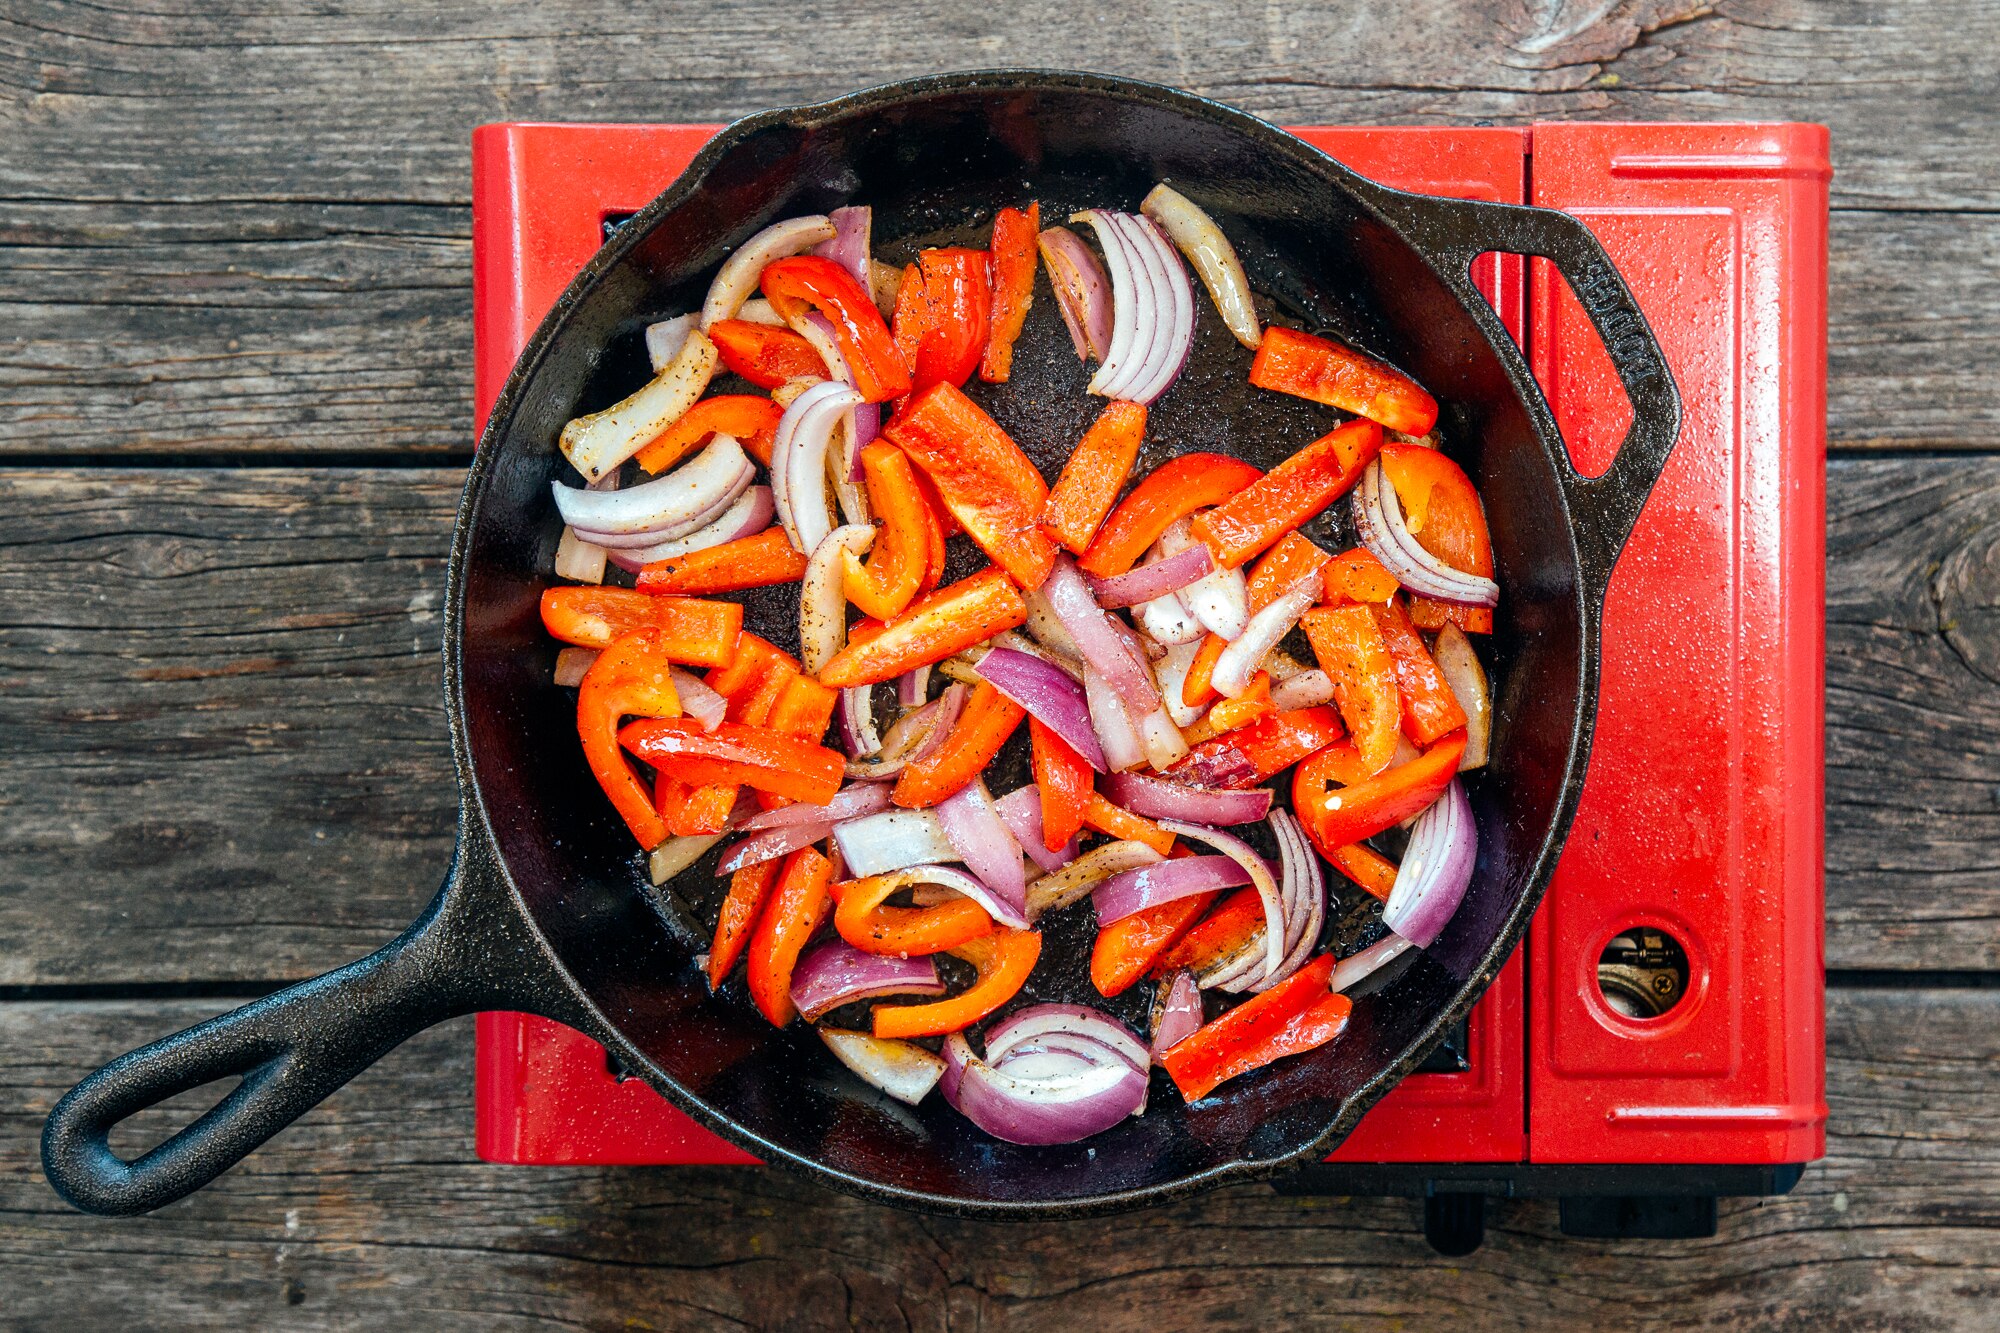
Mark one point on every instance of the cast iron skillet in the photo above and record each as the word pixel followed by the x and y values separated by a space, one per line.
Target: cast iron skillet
pixel 545 908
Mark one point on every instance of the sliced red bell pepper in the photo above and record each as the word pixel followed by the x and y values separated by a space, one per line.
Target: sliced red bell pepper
pixel 797 907
pixel 1293 559
pixel 1371 804
pixel 1357 576
pixel 1352 652
pixel 750 418
pixel 751 684
pixel 765 354
pixel 1230 714
pixel 1293 1017
pixel 751 756
pixel 1289 494
pixel 1367 867
pixel 816 282
pixel 1223 934
pixel 804 708
pixel 748 562
pixel 1013 249
pixel 692 632
pixel 896 565
pixel 1199 687
pixel 1004 959
pixel 1119 822
pixel 1094 475
pixel 865 921
pixel 1430 709
pixel 958 316
pixel 983 478
pixel 629 678
pixel 1441 508
pixel 1063 777
pixel 749 888
pixel 1173 490
pixel 1259 752
pixel 1325 372
pixel 930 629
pixel 910 318
pixel 752 660
pixel 983 726
pixel 1129 945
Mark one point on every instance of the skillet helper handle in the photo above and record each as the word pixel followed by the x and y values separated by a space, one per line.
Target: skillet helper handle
pixel 292 1050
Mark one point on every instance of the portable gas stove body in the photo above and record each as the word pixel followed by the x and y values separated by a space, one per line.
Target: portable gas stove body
pixel 1658 1041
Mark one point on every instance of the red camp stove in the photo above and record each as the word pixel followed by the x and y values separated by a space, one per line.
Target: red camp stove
pixel 1657 1042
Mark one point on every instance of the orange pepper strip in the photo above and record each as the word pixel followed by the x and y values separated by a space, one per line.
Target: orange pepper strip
pixel 1253 703
pixel 804 708
pixel 1271 744
pixel 902 552
pixel 754 756
pixel 1373 803
pixel 764 354
pixel 1430 709
pixel 692 632
pixel 1129 945
pixel 1288 494
pixel 988 719
pixel 795 911
pixel 1199 687
pixel 930 629
pixel 1352 651
pixel 1366 867
pixel 1293 1017
pixel 1169 492
pixel 983 478
pixel 751 683
pixel 1063 777
pixel 750 418
pixel 628 678
pixel 1325 372
pixel 1094 475
pixel 748 889
pixel 747 562
pixel 1357 576
pixel 1227 931
pixel 1013 249
pixel 866 922
pixel 1282 567
pixel 1004 958
pixel 753 657
pixel 1444 514
pixel 1105 817
pixel 792 285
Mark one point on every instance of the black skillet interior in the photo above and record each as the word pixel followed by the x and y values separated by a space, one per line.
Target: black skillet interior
pixel 934 162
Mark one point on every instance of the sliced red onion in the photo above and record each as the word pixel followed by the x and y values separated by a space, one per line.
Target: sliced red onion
pixel 699 702
pixel 1213 257
pixel 1156 579
pixel 1226 768
pixel 834 973
pixel 858 427
pixel 1467 679
pixel 853 801
pixel 1058 889
pixel 1220 601
pixel 1049 696
pixel 962 885
pixel 665 339
pixel 1056 1108
pixel 1044 628
pixel 674 855
pixel 822 598
pixel 1022 811
pixel 1176 1010
pixel 1097 638
pixel 750 514
pixel 1083 293
pixel 757 310
pixel 849 245
pixel 1168 622
pixel 1152 305
pixel 614 542
pixel 1260 875
pixel 1149 886
pixel 772 843
pixel 987 847
pixel 1378 519
pixel 1308 689
pixel 1304 892
pixel 1239 662
pixel 1172 673
pixel 1431 881
pixel 667 506
pixel 579 560
pixel 854 719
pixel 893 840
pixel 1162 740
pixel 571 664
pixel 1356 968
pixel 798 461
pixel 903 1069
pixel 1117 738
pixel 1173 336
pixel 1157 798
pixel 598 443
pixel 885 284
pixel 1039 1022
pixel 1021 643
pixel 949 705
pixel 1115 365
pixel 910 732
pixel 739 274
pixel 913 687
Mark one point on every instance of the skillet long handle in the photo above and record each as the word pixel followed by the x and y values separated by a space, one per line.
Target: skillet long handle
pixel 292 1049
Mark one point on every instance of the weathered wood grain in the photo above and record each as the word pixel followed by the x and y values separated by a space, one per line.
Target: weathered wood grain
pixel 372 1210
pixel 221 729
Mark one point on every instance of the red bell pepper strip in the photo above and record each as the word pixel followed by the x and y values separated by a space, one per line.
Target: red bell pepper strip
pixel 1063 777
pixel 750 418
pixel 1366 867
pixel 748 562
pixel 1353 653
pixel 814 281
pixel 865 921
pixel 752 756
pixel 1131 944
pixel 754 657
pixel 1226 931
pixel 1293 1017
pixel 958 299
pixel 804 708
pixel 902 552
pixel 930 629
pixel 1199 687
pixel 751 683
pixel 1013 249
pixel 797 907
pixel 988 719
pixel 1171 491
pixel 1289 494
pixel 1430 709
pixel 1268 746
pixel 748 890
pixel 1441 508
pixel 1094 475
pixel 1281 569
pixel 1325 372
pixel 1245 708
pixel 1357 576
pixel 629 678
pixel 1367 805
pixel 910 318
pixel 1119 822
pixel 765 354
pixel 692 632
pixel 983 478
pixel 1004 959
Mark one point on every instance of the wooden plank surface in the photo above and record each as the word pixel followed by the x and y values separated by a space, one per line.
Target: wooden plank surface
pixel 371 1210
